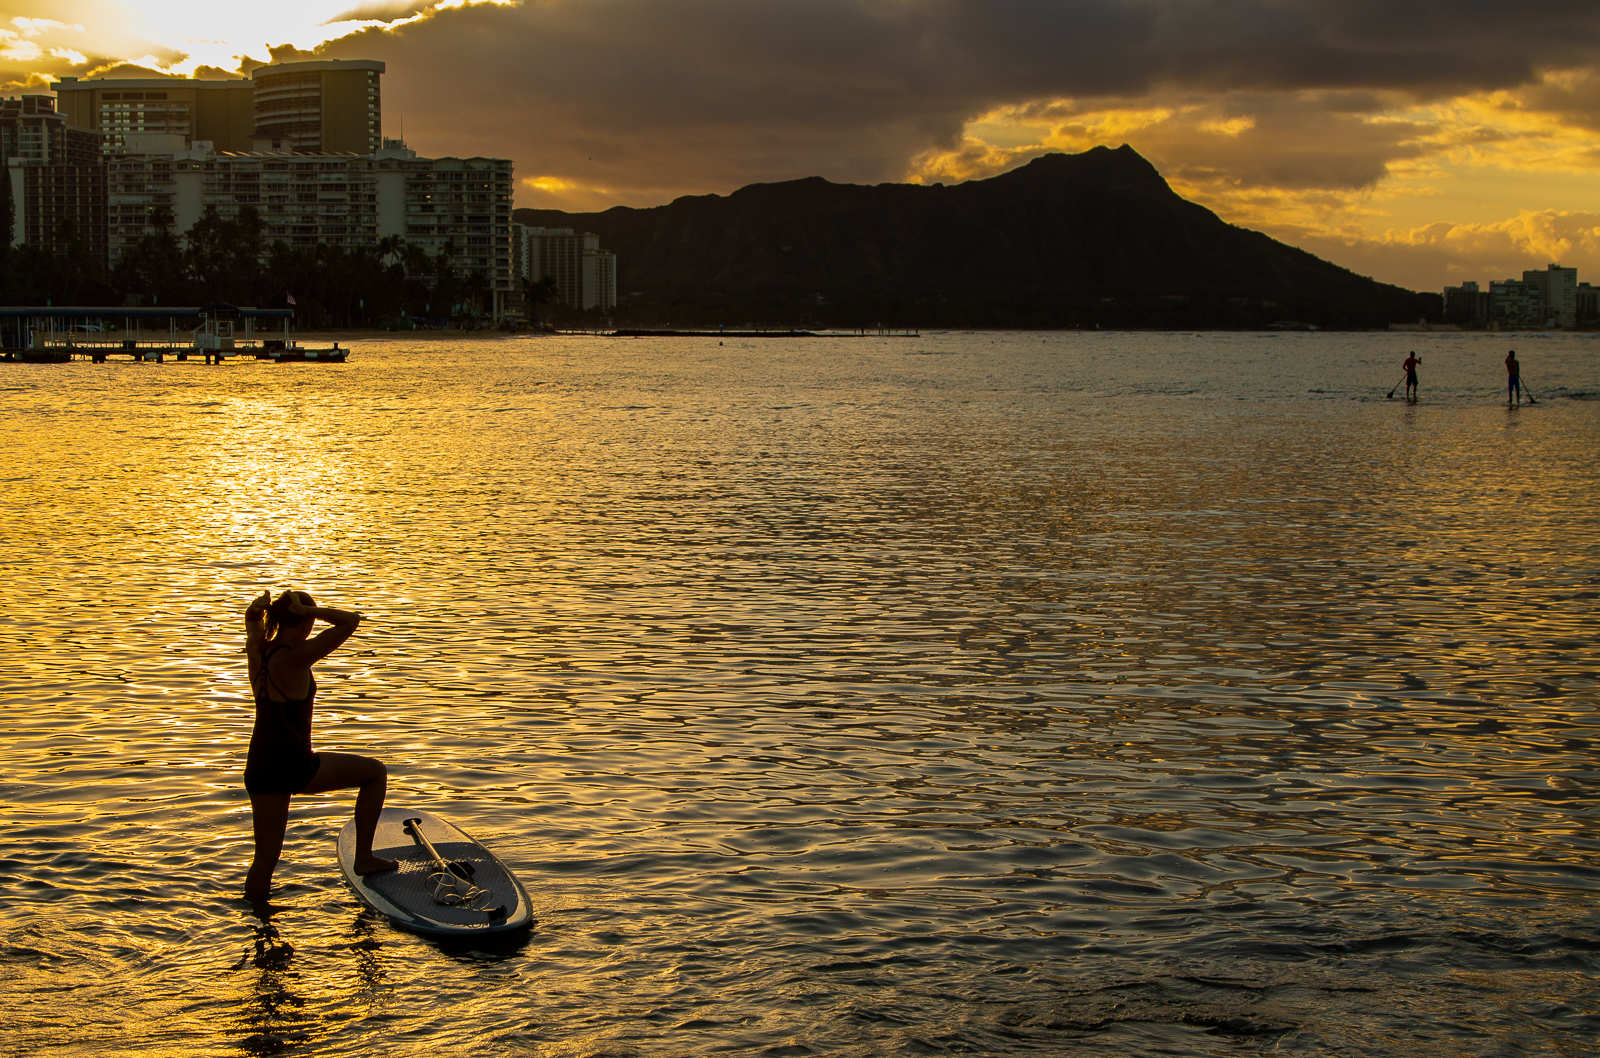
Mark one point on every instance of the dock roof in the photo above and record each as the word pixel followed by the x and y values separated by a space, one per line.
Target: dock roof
pixel 95 312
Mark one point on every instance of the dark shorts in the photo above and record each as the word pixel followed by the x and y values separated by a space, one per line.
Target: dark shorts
pixel 280 775
pixel 1411 378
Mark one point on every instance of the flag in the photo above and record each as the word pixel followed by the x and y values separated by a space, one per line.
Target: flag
pixel 291 299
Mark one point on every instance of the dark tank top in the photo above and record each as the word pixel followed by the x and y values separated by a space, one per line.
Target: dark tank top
pixel 283 729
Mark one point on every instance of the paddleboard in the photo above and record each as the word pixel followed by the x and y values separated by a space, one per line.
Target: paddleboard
pixel 448 884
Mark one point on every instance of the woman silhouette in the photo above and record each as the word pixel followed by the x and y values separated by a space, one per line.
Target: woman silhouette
pixel 281 651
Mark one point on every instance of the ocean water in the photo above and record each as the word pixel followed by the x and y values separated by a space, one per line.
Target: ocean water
pixel 1121 694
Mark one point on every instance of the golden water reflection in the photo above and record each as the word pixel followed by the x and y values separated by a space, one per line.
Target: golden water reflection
pixel 862 697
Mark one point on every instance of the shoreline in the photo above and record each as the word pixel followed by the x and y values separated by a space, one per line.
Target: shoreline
pixel 309 337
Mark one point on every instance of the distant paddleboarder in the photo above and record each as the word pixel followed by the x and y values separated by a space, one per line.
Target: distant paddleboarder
pixel 281 651
pixel 1513 378
pixel 1411 374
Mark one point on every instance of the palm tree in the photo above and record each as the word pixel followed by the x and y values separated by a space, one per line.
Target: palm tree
pixel 391 251
pixel 536 293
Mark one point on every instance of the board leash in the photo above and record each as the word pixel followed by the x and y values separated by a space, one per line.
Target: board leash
pixel 451 882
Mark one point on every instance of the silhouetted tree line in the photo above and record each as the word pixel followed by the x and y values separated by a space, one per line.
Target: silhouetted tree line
pixel 228 259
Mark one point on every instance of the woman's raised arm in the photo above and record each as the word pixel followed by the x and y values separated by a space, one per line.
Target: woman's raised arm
pixel 255 633
pixel 344 624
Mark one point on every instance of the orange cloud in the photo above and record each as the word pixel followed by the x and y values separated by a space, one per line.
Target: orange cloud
pixel 1445 253
pixel 572 196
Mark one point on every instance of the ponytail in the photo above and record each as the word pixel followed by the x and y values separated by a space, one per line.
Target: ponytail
pixel 279 617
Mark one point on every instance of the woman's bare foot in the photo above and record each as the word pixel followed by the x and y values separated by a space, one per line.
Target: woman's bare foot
pixel 374 864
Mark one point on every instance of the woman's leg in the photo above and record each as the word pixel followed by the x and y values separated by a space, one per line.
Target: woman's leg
pixel 269 817
pixel 340 771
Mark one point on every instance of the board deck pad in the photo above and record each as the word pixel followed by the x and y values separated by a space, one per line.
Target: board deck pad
pixel 403 895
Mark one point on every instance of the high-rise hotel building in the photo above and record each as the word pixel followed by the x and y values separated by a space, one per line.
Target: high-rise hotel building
pixel 221 112
pixel 331 106
pixel 58 184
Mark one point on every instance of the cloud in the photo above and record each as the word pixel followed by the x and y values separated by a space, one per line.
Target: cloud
pixel 34 27
pixel 1573 96
pixel 14 49
pixel 383 11
pixel 1299 140
pixel 650 99
pixel 1434 255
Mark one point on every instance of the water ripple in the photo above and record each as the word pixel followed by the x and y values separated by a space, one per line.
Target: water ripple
pixel 1123 694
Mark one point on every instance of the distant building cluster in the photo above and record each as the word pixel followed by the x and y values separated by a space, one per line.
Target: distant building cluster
pixel 585 276
pixel 1551 298
pixel 107 161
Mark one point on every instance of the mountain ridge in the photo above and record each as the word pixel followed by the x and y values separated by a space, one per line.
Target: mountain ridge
pixel 1097 238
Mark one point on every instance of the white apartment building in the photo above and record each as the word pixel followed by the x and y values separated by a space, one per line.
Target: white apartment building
pixel 599 279
pixel 456 206
pixel 585 275
pixel 1559 288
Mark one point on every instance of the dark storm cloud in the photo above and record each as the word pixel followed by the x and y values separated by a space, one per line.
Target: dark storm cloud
pixel 1425 48
pixel 647 97
pixel 1574 97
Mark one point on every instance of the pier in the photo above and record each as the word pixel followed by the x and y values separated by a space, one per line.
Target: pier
pixel 213 333
pixel 860 332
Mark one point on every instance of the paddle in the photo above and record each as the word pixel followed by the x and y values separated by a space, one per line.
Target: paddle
pixel 1397 385
pixel 1526 392
pixel 449 883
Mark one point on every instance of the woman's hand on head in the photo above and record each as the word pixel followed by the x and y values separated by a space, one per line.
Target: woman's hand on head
pixel 259 603
pixel 295 606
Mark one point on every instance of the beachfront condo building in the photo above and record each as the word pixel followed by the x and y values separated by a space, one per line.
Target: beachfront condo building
pixel 1558 287
pixel 1588 303
pixel 459 208
pixel 331 106
pixel 585 275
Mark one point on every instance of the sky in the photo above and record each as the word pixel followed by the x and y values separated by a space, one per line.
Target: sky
pixel 1420 142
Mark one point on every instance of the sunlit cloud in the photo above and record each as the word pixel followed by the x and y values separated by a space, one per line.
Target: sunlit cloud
pixel 554 192
pixel 13 48
pixel 33 27
pixel 1230 127
pixel 391 11
pixel 1545 235
pixel 182 35
pixel 1445 253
